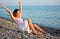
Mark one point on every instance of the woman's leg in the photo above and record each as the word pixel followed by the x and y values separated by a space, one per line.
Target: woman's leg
pixel 31 26
pixel 39 29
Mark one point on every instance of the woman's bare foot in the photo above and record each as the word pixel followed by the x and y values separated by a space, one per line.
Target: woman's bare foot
pixel 44 33
pixel 35 32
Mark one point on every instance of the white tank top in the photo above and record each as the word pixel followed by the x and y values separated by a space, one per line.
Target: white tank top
pixel 22 25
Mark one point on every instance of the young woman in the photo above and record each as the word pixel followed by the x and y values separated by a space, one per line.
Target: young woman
pixel 26 25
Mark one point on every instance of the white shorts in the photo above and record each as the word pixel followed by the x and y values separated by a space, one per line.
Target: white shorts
pixel 24 27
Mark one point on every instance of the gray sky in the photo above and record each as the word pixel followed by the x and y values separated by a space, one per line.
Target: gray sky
pixel 33 2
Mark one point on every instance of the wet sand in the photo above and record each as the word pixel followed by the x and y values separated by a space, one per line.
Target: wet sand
pixel 9 30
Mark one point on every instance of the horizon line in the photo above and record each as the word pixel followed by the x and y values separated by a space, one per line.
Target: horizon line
pixel 34 5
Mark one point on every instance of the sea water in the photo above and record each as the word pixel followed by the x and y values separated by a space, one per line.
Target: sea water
pixel 48 16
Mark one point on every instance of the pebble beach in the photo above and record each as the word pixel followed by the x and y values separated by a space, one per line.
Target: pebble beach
pixel 9 30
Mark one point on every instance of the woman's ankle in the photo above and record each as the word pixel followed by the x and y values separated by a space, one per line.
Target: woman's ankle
pixel 35 32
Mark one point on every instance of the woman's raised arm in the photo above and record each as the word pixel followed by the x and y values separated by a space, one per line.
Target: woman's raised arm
pixel 20 7
pixel 9 11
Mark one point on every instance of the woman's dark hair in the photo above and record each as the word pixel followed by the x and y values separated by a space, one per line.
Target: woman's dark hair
pixel 14 12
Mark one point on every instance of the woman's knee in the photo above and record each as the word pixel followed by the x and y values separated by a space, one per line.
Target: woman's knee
pixel 34 24
pixel 29 19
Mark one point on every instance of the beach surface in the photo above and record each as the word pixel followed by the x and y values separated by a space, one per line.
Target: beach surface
pixel 9 30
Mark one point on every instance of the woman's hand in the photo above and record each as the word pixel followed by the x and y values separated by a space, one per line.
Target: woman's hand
pixel 3 5
pixel 19 0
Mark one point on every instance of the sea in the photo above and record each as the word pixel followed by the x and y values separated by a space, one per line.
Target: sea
pixel 48 16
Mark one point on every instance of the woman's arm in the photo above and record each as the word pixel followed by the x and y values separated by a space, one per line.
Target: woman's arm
pixel 9 11
pixel 20 6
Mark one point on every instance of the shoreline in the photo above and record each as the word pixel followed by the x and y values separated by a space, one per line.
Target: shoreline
pixel 9 27
pixel 35 23
pixel 16 25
